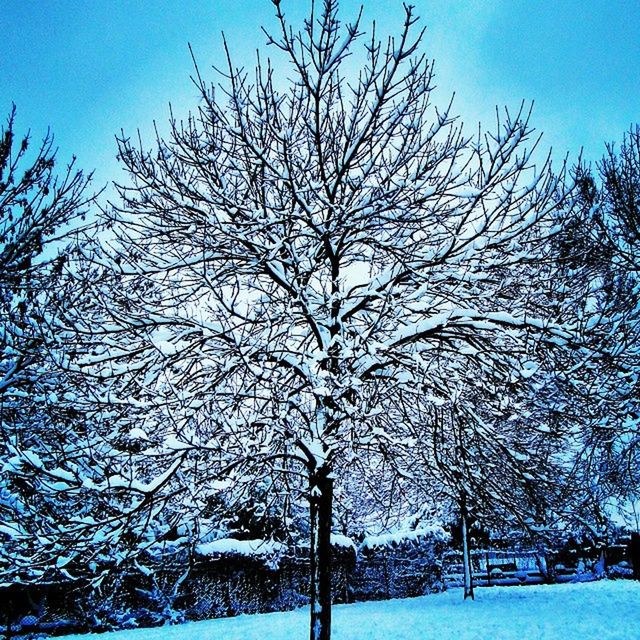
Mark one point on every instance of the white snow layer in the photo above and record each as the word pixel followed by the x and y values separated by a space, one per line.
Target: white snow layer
pixel 605 610
pixel 338 540
pixel 390 540
pixel 230 546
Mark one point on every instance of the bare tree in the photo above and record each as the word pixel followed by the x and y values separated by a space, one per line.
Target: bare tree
pixel 37 212
pixel 289 260
pixel 40 210
pixel 492 450
pixel 610 213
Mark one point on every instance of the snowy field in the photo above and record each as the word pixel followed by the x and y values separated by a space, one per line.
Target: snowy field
pixel 603 610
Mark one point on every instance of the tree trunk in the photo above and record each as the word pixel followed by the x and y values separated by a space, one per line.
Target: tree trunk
pixel 466 558
pixel 321 502
pixel 546 564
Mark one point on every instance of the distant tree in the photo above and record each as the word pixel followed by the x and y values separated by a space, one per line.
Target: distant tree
pixel 499 458
pixel 39 212
pixel 619 173
pixel 611 210
pixel 285 264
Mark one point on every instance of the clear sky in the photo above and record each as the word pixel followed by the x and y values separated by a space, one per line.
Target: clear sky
pixel 88 68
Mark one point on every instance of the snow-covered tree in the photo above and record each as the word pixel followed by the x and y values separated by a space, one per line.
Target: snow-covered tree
pixel 39 211
pixel 611 222
pixel 493 451
pixel 297 253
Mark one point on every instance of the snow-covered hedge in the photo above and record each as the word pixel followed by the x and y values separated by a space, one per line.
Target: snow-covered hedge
pixel 233 576
pixel 434 533
pixel 399 564
pixel 343 543
pixel 231 546
pixel 268 551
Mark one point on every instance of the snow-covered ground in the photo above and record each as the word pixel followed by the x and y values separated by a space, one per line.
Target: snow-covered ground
pixel 604 610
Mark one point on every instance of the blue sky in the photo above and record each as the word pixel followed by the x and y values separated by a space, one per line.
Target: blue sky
pixel 89 68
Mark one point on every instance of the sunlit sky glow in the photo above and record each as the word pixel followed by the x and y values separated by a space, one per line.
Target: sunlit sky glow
pixel 89 68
